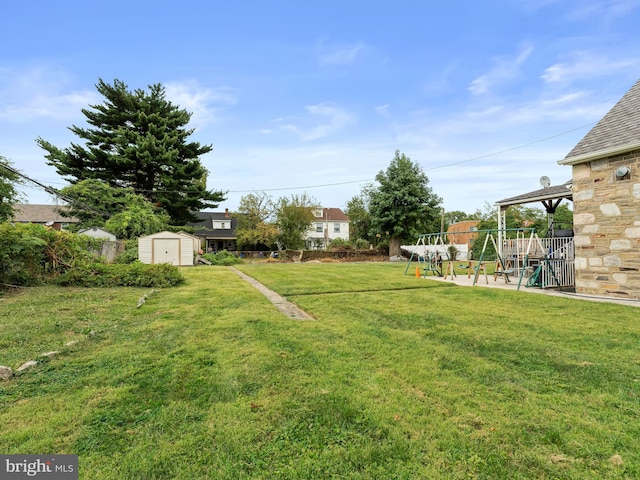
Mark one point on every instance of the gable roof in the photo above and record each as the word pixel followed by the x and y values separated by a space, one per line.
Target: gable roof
pixel 42 214
pixel 204 225
pixel 617 132
pixel 332 215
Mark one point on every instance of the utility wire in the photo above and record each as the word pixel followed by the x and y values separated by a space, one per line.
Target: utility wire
pixel 53 191
pixel 445 165
pixel 57 193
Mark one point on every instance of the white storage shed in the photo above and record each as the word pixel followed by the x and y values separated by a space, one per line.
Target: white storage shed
pixel 166 247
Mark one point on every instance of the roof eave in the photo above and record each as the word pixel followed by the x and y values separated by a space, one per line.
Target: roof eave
pixel 539 198
pixel 591 156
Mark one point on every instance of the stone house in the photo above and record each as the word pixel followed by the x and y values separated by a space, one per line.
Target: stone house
pixel 606 202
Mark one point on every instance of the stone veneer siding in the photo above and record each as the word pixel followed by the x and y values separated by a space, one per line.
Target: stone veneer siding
pixel 606 221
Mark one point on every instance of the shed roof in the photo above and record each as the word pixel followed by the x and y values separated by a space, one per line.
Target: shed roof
pixel 548 193
pixel 617 132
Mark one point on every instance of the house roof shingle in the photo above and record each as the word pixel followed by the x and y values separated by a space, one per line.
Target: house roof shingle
pixel 618 131
pixel 332 215
pixel 204 227
pixel 41 214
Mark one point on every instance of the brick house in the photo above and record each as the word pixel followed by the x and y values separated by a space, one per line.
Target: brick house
pixel 606 202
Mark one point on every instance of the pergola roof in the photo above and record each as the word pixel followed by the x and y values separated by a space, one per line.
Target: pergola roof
pixel 544 194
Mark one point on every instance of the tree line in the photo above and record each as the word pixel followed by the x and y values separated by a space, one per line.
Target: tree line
pixel 134 171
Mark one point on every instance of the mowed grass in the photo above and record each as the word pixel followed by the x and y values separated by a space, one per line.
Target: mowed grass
pixel 396 377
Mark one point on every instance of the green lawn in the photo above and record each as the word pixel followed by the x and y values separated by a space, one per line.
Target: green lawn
pixel 397 377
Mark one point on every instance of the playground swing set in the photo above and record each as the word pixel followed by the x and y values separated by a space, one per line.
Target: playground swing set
pixel 518 252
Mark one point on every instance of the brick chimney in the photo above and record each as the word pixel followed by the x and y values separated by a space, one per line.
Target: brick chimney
pixel 226 213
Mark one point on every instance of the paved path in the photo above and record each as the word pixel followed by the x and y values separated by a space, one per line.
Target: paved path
pixel 286 307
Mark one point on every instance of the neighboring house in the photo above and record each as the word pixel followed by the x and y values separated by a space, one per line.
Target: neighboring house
pixel 50 215
pixel 97 232
pixel 463 233
pixel 606 202
pixel 328 224
pixel 167 247
pixel 217 230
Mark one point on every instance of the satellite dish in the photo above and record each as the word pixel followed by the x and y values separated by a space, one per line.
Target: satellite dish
pixel 544 181
pixel 49 223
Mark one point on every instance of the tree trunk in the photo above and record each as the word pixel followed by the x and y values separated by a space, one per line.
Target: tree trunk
pixel 394 247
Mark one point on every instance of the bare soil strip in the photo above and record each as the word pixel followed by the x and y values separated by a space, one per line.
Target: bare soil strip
pixel 286 307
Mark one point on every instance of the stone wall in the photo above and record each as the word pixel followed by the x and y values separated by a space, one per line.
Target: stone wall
pixel 607 227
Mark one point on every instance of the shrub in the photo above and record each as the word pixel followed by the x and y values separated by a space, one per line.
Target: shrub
pixel 339 244
pixel 223 257
pixel 130 253
pixel 361 244
pixel 136 274
pixel 31 254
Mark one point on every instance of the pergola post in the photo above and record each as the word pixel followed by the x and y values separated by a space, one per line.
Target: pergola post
pixel 502 226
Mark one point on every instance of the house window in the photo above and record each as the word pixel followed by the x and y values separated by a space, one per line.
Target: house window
pixel 222 225
pixel 473 229
pixel 336 228
pixel 318 227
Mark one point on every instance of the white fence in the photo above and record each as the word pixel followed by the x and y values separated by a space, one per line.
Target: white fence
pixel 547 262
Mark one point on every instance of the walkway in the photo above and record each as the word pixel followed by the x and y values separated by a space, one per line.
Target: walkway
pixel 286 307
pixel 463 280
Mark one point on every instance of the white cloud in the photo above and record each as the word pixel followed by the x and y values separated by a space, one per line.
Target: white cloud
pixel 203 102
pixel 40 92
pixel 383 109
pixel 338 55
pixel 332 119
pixel 586 65
pixel 505 69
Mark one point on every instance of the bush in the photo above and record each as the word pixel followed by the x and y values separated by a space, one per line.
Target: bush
pixel 339 244
pixel 130 253
pixel 32 254
pixel 222 258
pixel 136 274
pixel 361 244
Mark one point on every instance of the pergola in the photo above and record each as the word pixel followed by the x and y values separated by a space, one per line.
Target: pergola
pixel 550 197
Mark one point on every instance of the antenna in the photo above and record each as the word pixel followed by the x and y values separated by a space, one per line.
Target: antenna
pixel 49 223
pixel 544 181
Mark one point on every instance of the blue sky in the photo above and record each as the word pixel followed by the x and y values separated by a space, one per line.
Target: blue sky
pixel 316 96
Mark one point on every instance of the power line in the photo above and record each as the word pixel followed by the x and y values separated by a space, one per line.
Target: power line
pixel 57 193
pixel 445 165
pixel 53 191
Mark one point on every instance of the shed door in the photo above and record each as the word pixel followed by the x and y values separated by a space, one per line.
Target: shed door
pixel 166 250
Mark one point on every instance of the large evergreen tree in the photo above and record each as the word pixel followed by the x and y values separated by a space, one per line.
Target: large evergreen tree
pixel 139 139
pixel 403 205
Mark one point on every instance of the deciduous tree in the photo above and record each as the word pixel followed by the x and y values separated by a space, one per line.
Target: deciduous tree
pixel 294 217
pixel 402 205
pixel 255 229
